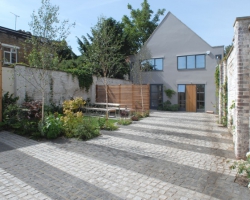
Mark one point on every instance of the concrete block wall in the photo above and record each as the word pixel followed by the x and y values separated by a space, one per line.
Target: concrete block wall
pixel 59 86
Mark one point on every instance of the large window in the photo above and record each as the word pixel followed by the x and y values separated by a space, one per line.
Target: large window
pixel 191 62
pixel 154 64
pixel 9 54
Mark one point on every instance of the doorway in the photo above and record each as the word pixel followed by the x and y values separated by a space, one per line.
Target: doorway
pixel 156 93
pixel 191 98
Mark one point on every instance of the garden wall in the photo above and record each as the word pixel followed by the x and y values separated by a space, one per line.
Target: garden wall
pixel 8 80
pixel 59 85
pixel 236 70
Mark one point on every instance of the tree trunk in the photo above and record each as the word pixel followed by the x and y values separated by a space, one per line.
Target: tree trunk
pixel 106 91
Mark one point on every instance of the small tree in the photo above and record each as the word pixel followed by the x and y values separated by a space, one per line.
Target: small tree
pixel 48 38
pixel 105 53
pixel 140 71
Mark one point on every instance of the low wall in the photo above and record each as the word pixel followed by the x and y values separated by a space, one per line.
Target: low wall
pixel 59 86
pixel 8 80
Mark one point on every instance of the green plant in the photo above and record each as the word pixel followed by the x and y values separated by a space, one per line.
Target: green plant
pixel 217 79
pixel 124 121
pixel 232 105
pixel 167 106
pixel 169 93
pixel 87 130
pixel 9 99
pixel 243 167
pixel 52 126
pixel 110 126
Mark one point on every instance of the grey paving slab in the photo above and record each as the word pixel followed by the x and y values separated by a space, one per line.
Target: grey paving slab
pixel 166 156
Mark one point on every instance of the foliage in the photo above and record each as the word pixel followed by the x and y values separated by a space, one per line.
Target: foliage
pixel 48 38
pixel 33 109
pixel 217 79
pixel 107 124
pixel 88 129
pixel 139 26
pixel 70 119
pixel 52 126
pixel 243 167
pixel 227 50
pixel 79 68
pixel 124 113
pixel 115 36
pixel 74 104
pixel 8 99
pixel 169 93
pixel 53 108
pixel 224 96
pixel 167 106
pixel 124 121
pixel 12 115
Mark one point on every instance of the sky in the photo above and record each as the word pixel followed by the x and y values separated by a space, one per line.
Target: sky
pixel 212 20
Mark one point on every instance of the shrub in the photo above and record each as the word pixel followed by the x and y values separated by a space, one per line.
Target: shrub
pixel 110 126
pixel 169 93
pixel 124 121
pixel 167 106
pixel 53 108
pixel 87 130
pixel 124 113
pixel 52 126
pixel 33 109
pixel 70 119
pixel 243 167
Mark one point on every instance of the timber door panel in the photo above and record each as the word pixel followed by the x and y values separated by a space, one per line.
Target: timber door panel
pixel 191 98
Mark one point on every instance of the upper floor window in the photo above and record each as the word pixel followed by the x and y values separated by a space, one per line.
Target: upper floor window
pixel 9 54
pixel 153 64
pixel 191 62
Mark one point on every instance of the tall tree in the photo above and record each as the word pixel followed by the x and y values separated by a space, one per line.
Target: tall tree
pixel 117 36
pixel 105 56
pixel 139 26
pixel 49 34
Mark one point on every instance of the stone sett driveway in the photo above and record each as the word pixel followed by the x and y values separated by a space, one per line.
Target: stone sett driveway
pixel 165 156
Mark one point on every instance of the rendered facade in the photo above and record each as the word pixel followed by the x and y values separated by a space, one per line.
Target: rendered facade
pixel 185 63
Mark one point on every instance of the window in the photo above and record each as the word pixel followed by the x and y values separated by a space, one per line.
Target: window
pixel 182 97
pixel 9 54
pixel 191 62
pixel 200 96
pixel 154 64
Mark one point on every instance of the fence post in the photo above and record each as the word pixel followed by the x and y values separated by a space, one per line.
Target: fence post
pixel 1 86
pixel 133 103
pixel 120 94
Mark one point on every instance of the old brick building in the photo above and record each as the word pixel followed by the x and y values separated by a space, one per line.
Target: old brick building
pixel 13 45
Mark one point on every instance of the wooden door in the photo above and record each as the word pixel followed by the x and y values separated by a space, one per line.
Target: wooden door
pixel 191 98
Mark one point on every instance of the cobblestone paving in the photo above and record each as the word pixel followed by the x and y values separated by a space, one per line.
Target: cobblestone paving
pixel 165 156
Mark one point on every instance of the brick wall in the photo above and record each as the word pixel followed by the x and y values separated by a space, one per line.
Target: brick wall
pixel 237 70
pixel 16 41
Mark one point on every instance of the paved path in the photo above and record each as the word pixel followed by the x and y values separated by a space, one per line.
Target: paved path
pixel 165 156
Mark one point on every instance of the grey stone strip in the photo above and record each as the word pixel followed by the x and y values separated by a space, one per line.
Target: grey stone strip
pixel 14 188
pixel 180 145
pixel 123 183
pixel 191 178
pixel 173 138
pixel 38 177
pixel 182 134
pixel 184 157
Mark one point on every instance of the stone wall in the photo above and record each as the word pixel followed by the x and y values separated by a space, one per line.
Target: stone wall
pixel 237 69
pixel 59 86
pixel 8 80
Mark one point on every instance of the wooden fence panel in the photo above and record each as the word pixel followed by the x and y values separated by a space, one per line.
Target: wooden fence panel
pixel 127 95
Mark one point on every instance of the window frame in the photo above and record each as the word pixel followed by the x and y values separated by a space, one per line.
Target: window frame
pixel 162 59
pixel 195 68
pixel 13 50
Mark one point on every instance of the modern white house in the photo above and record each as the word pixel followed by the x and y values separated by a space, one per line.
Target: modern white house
pixel 183 62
